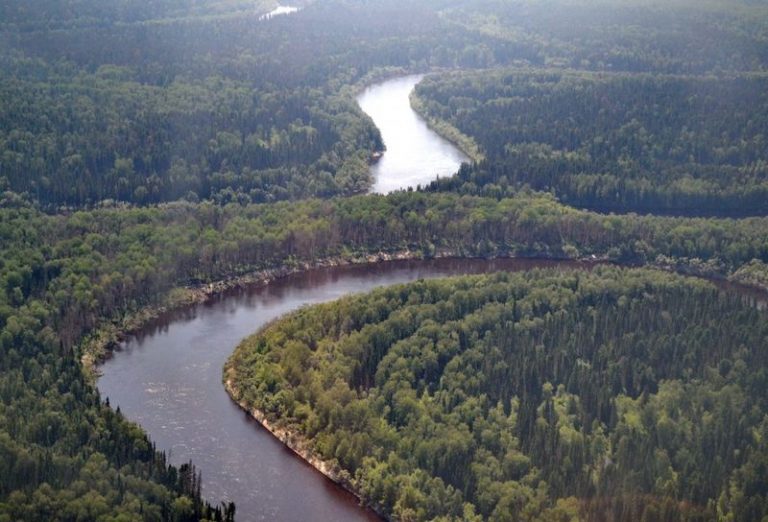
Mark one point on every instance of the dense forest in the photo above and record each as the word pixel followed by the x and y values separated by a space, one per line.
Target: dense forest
pixel 213 138
pixel 617 394
pixel 149 147
pixel 161 110
pixel 621 142
pixel 65 276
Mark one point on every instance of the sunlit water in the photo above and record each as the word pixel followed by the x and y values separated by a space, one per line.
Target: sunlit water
pixel 277 11
pixel 415 154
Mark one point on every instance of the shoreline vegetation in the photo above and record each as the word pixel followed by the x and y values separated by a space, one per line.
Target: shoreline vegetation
pixel 445 130
pixel 106 337
pixel 102 344
pixel 110 271
pixel 303 448
pixel 298 444
pixel 326 344
pixel 196 151
pixel 440 127
pixel 689 158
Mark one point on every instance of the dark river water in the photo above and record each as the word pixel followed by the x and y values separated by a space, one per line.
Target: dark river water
pixel 415 155
pixel 168 379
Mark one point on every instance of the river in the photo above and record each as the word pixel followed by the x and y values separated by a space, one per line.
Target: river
pixel 415 154
pixel 168 379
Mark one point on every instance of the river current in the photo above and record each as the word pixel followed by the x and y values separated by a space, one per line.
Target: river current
pixel 415 155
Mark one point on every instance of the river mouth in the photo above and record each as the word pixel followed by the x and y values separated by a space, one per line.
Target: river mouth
pixel 415 154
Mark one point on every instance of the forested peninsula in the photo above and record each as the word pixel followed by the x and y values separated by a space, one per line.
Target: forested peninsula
pixel 554 395
pixel 622 142
pixel 96 266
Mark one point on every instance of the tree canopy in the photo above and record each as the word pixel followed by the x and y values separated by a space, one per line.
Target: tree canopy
pixel 616 394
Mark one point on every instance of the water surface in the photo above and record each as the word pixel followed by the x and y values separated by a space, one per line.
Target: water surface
pixel 168 379
pixel 415 154
pixel 277 11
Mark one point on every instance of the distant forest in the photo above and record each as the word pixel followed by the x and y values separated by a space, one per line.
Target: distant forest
pixel 612 142
pixel 192 100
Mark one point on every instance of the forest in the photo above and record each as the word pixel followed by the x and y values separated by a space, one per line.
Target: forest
pixel 612 142
pixel 160 111
pixel 149 148
pixel 65 278
pixel 554 395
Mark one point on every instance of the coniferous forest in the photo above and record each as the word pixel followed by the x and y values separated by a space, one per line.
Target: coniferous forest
pixel 148 148
pixel 478 397
pixel 613 142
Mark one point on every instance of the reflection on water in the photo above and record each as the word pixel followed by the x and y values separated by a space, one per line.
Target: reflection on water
pixel 279 10
pixel 415 154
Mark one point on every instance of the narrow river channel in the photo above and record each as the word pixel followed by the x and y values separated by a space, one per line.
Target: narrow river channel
pixel 415 154
pixel 168 379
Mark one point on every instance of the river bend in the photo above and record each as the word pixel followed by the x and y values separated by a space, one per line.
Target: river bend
pixel 415 154
pixel 168 379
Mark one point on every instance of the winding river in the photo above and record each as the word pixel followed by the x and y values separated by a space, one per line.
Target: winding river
pixel 168 378
pixel 415 154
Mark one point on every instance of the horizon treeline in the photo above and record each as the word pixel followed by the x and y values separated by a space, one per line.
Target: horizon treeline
pixel 219 105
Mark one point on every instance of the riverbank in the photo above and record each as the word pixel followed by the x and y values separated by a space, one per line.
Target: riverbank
pixel 298 444
pixel 445 130
pixel 153 379
pixel 108 336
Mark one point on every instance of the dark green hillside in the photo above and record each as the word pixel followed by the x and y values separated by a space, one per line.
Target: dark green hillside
pixel 617 394
pixel 613 142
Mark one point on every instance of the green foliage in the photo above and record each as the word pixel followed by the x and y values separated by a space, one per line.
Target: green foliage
pixel 201 100
pixel 626 394
pixel 649 143
pixel 61 277
pixel 148 102
pixel 71 138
